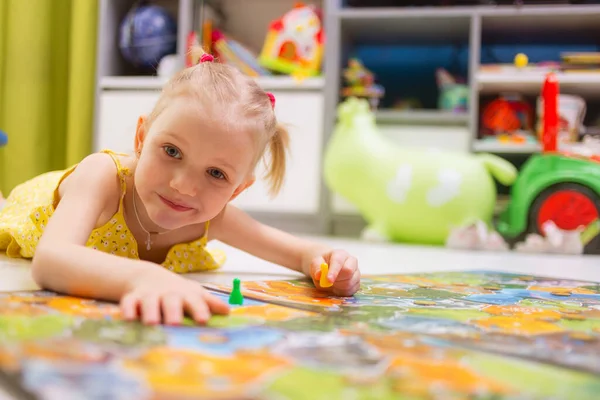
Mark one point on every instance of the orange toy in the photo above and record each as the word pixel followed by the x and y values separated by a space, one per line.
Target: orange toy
pixel 505 115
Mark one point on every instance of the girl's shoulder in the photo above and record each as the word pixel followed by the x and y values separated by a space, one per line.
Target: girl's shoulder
pixel 102 170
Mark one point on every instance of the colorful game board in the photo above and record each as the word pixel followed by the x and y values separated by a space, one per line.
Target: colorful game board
pixel 466 335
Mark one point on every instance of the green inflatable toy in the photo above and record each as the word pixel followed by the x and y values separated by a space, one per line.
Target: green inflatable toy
pixel 409 195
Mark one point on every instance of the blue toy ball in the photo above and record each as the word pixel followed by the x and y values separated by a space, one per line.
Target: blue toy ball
pixel 148 33
pixel 3 139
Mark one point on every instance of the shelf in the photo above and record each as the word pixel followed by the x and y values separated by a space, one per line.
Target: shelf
pixel 395 24
pixel 290 83
pixel 382 13
pixel 488 146
pixel 556 11
pixel 586 84
pixel 501 11
pixel 505 148
pixel 443 24
pixel 132 82
pixel 156 83
pixel 421 117
pixel 542 24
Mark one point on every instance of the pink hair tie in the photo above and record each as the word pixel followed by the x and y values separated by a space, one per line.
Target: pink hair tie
pixel 206 58
pixel 272 99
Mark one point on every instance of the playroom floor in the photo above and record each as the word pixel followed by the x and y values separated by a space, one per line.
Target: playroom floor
pixel 373 259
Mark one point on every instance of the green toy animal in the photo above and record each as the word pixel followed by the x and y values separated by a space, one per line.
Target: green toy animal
pixel 453 96
pixel 408 194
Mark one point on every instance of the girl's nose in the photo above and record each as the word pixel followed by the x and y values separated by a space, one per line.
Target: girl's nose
pixel 183 185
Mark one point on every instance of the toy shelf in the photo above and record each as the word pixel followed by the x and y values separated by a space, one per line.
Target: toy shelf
pixel 481 145
pixel 507 148
pixel 394 24
pixel 543 33
pixel 131 82
pixel 289 83
pixel 586 84
pixel 157 82
pixel 112 12
pixel 404 59
pixel 124 93
pixel 378 34
pixel 426 117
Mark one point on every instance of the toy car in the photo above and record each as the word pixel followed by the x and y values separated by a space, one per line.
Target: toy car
pixel 555 186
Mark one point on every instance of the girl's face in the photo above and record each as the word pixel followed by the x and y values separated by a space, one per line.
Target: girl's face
pixel 189 168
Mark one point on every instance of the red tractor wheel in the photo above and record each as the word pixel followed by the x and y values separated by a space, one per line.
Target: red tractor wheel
pixel 568 205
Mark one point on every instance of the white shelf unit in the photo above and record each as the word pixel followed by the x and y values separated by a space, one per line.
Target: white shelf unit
pixel 420 128
pixel 529 83
pixel 485 146
pixel 123 95
pixel 474 25
pixel 425 117
pixel 157 82
pixel 568 26
pixel 586 84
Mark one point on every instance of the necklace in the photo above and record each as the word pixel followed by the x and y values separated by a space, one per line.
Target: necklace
pixel 148 233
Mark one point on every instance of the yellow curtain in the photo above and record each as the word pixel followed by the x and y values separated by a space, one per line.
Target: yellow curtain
pixel 47 75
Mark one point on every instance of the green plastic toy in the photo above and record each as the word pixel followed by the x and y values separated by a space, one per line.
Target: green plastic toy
pixel 453 96
pixel 555 186
pixel 408 194
pixel 236 296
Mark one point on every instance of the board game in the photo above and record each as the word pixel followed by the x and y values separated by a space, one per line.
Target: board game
pixel 458 335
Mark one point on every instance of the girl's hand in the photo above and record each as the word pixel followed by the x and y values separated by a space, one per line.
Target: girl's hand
pixel 343 272
pixel 167 295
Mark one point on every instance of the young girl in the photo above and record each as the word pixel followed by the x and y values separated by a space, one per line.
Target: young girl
pixel 149 213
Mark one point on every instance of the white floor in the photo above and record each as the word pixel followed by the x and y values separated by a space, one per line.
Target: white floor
pixel 373 259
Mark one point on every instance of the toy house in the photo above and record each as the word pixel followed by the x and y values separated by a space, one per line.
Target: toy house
pixel 294 43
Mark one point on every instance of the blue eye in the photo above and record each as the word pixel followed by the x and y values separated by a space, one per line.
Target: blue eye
pixel 172 151
pixel 215 173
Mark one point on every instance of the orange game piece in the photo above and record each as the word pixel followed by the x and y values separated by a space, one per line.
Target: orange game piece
pixel 324 282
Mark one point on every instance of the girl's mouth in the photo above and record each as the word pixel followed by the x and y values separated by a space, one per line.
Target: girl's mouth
pixel 175 206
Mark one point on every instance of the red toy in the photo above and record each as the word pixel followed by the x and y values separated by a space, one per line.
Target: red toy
pixel 550 94
pixel 507 114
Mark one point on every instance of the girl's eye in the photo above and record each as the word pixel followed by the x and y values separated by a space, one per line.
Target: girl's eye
pixel 172 151
pixel 215 173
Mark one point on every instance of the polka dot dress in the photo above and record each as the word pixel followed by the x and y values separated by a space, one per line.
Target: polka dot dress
pixel 30 205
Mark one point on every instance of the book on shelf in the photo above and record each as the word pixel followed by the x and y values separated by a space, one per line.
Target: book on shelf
pixel 232 52
pixel 226 50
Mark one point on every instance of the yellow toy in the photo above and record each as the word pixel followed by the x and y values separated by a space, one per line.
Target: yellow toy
pixel 294 43
pixel 360 82
pixel 324 282
pixel 521 60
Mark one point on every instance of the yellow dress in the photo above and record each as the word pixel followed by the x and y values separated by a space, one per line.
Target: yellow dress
pixel 30 205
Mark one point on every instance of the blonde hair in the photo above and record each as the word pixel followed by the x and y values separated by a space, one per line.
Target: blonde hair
pixel 236 101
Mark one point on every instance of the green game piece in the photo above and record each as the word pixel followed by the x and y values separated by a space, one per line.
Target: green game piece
pixel 236 294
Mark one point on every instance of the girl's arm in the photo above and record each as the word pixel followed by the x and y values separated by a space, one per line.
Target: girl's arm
pixel 63 263
pixel 236 228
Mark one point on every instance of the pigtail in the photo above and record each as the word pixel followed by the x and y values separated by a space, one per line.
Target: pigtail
pixel 278 146
pixel 197 53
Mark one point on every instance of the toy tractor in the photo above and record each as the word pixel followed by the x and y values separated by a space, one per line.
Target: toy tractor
pixel 555 186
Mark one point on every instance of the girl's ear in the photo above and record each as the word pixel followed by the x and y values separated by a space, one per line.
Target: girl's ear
pixel 245 185
pixel 140 135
